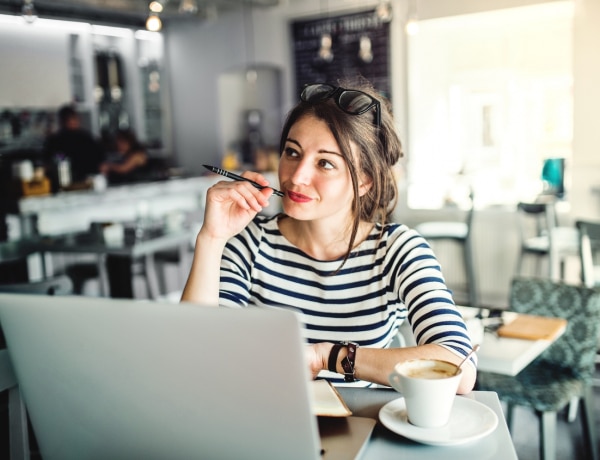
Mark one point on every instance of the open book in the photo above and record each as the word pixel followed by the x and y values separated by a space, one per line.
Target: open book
pixel 327 401
pixel 532 327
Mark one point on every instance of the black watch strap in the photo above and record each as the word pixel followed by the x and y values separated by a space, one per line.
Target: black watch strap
pixel 333 356
pixel 348 361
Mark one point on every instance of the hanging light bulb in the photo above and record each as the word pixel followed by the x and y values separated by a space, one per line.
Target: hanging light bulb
pixel 28 11
pixel 188 7
pixel 365 49
pixel 153 23
pixel 384 11
pixel 251 75
pixel 248 24
pixel 325 51
pixel 156 6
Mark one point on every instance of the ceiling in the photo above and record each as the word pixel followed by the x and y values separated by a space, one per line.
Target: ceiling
pixel 126 12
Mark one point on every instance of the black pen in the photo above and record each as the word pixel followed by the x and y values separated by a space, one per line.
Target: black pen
pixel 233 176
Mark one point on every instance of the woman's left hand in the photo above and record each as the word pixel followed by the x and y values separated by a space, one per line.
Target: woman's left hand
pixel 316 356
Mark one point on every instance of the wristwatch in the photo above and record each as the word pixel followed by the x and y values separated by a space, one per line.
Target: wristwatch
pixel 347 362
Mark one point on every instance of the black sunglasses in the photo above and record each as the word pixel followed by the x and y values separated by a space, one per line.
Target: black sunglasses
pixel 351 101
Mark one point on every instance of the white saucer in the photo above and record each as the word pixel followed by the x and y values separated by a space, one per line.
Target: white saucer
pixel 469 420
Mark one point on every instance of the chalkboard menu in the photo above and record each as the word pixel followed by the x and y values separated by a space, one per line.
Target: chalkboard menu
pixel 346 46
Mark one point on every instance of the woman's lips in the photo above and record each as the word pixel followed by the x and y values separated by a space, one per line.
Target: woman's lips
pixel 298 197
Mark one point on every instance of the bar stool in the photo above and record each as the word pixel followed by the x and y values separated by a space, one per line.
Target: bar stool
pixel 589 250
pixel 460 233
pixel 542 237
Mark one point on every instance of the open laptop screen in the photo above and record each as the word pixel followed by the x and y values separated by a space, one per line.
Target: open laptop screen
pixel 108 378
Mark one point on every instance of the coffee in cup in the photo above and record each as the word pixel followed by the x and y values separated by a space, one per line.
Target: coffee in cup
pixel 429 387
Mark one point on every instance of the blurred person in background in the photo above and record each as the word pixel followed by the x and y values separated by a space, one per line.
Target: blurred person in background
pixel 73 144
pixel 129 161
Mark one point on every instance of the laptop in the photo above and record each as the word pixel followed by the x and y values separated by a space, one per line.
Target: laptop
pixel 111 378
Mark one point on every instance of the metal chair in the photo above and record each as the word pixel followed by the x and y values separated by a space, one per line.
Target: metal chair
pixel 18 429
pixel 57 285
pixel 589 252
pixel 17 414
pixel 461 233
pixel 589 255
pixel 562 373
pixel 542 237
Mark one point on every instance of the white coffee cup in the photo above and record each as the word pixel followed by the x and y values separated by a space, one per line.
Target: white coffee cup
pixel 429 387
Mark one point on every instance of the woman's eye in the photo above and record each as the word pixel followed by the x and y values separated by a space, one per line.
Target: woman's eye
pixel 326 164
pixel 290 152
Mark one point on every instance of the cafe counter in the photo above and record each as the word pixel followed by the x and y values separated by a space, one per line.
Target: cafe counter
pixel 74 211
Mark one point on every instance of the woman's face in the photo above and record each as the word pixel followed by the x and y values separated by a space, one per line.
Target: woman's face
pixel 313 174
pixel 122 145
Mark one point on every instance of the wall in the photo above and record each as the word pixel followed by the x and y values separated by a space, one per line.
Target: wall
pixel 33 58
pixel 586 136
pixel 49 63
pixel 198 54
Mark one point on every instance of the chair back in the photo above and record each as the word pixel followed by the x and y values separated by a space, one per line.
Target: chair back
pixel 580 306
pixel 589 245
pixel 536 219
pixel 58 285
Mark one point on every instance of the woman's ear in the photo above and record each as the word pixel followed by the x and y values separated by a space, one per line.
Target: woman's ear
pixel 365 185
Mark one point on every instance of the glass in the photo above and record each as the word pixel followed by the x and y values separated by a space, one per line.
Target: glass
pixel 350 101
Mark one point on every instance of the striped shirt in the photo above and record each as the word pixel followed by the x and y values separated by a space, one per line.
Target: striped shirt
pixel 390 277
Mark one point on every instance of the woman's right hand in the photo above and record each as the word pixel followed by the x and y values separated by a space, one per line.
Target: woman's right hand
pixel 231 205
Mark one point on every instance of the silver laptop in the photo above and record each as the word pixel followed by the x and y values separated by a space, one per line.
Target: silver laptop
pixel 107 378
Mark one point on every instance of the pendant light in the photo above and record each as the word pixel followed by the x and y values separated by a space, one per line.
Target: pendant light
pixel 153 23
pixel 325 53
pixel 251 73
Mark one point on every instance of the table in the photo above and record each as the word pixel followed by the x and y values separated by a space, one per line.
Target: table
pixel 13 256
pixel 386 444
pixel 508 356
pixel 501 355
pixel 144 247
pixel 504 355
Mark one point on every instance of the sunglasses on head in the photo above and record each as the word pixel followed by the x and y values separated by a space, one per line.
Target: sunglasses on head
pixel 351 101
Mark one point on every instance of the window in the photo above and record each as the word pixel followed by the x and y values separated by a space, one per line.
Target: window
pixel 490 98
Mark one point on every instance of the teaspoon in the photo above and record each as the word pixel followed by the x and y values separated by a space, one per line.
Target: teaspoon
pixel 474 350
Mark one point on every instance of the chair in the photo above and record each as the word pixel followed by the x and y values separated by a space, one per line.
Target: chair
pixel 18 430
pixel 563 372
pixel 461 233
pixel 589 249
pixel 542 237
pixel 17 414
pixel 57 285
pixel 589 252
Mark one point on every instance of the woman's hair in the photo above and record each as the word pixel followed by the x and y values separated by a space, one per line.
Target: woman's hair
pixel 127 135
pixel 377 151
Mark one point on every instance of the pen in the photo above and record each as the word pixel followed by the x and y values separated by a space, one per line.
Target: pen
pixel 233 176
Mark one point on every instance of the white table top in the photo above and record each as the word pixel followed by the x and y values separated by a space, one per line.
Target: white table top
pixel 504 355
pixel 385 444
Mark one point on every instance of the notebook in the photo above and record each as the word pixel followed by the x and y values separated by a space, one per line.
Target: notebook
pixel 107 378
pixel 533 327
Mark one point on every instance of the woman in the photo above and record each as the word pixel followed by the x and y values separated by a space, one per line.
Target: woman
pixel 332 254
pixel 131 160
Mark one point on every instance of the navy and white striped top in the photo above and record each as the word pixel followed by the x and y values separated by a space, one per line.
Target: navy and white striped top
pixel 391 276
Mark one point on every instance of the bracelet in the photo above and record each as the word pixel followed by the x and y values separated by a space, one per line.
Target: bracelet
pixel 348 361
pixel 333 355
